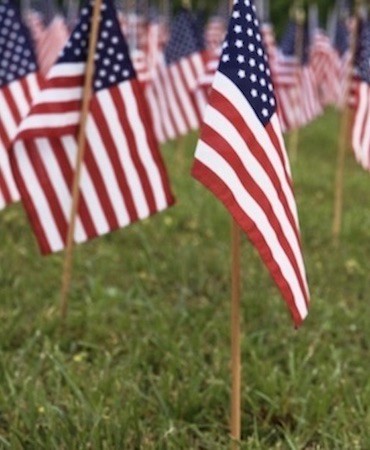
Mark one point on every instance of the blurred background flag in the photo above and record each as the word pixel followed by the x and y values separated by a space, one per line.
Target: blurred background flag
pixel 361 124
pixel 241 157
pixel 123 177
pixel 185 65
pixel 19 83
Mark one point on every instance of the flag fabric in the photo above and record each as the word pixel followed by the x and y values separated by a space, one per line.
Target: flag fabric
pixel 53 40
pixel 361 124
pixel 301 103
pixel 185 65
pixel 241 157
pixel 19 84
pixel 123 177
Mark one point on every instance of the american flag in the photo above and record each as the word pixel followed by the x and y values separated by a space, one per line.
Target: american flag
pixel 123 178
pixel 361 124
pixel 241 157
pixel 341 43
pixel 185 65
pixel 324 62
pixel 296 81
pixel 19 84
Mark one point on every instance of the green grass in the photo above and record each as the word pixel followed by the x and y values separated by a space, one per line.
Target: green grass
pixel 144 360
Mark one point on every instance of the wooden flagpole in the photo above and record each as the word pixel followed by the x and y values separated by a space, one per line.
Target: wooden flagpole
pixel 299 44
pixel 81 140
pixel 235 422
pixel 235 416
pixel 344 133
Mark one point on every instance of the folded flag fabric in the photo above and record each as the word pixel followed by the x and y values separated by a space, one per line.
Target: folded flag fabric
pixel 241 157
pixel 19 84
pixel 123 177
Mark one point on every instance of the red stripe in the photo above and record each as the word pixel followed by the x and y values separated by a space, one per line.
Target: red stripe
pixel 121 108
pixel 113 154
pixel 219 188
pixel 217 142
pixel 144 115
pixel 57 107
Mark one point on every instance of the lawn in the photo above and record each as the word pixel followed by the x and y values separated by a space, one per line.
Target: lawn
pixel 143 361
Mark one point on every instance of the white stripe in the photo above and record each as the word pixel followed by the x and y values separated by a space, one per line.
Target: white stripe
pixel 106 170
pixel 38 197
pixel 33 86
pixel 127 164
pixel 59 95
pixel 66 70
pixel 186 69
pixel 142 144
pixel 365 144
pixel 87 187
pixel 2 201
pixel 59 185
pixel 198 64
pixel 225 172
pixel 40 121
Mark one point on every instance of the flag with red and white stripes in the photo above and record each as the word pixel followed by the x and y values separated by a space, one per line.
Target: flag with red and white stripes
pixel 19 84
pixel 361 123
pixel 123 177
pixel 241 157
pixel 185 65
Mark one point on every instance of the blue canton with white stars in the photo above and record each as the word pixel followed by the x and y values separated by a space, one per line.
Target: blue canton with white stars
pixel 362 58
pixel 112 61
pixel 17 58
pixel 185 38
pixel 244 60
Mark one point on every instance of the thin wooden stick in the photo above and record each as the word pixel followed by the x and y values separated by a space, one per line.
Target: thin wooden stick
pixel 235 422
pixel 81 140
pixel 236 366
pixel 344 134
pixel 299 44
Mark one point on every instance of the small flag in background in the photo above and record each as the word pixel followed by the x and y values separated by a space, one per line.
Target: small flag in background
pixel 241 157
pixel 361 124
pixel 19 84
pixel 185 67
pixel 123 177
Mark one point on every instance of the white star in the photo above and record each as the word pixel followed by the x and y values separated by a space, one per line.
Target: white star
pixel 254 93
pixel 240 59
pixel 265 112
pixel 264 98
pixel 272 102
pixel 225 57
pixel 239 43
pixel 251 47
pixel 250 32
pixel 225 45
pixel 261 67
pixel 252 62
pixel 263 82
pixel 236 14
pixel 241 73
pixel 248 17
pixel 253 78
pixel 238 29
